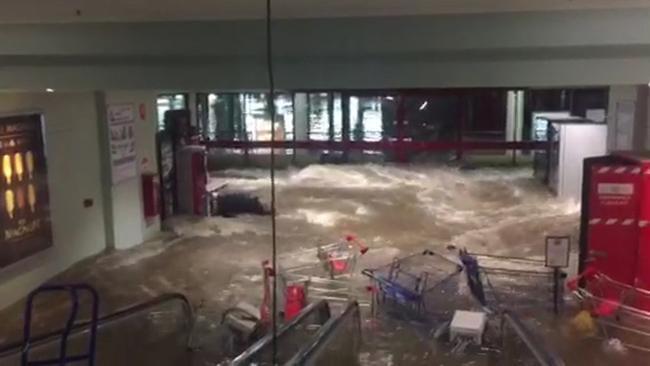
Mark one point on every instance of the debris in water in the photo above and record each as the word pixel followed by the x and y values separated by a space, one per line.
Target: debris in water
pixel 583 324
pixel 441 330
pixel 614 345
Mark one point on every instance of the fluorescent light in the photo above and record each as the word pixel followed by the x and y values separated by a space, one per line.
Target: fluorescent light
pixel 390 98
pixel 49 90
pixel 424 105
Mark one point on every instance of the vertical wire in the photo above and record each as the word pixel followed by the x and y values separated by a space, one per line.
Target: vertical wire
pixel 271 104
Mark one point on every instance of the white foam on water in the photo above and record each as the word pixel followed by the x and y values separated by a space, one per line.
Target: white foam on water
pixel 187 226
pixel 362 210
pixel 240 225
pixel 330 176
pixel 322 218
pixel 133 256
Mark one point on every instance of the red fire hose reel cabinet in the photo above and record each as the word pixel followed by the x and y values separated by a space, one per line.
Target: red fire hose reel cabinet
pixel 615 237
pixel 150 195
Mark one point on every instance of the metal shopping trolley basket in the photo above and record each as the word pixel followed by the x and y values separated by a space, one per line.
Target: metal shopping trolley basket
pixel 412 285
pixel 619 310
pixel 514 283
pixel 325 270
pixel 340 258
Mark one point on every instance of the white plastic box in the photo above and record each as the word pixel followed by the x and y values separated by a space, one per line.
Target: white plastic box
pixel 468 324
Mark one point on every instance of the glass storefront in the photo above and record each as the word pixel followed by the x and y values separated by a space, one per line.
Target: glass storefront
pixel 319 116
pixel 329 117
pixel 245 117
pixel 367 118
pixel 167 102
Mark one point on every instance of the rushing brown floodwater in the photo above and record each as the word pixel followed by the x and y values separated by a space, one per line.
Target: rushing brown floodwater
pixel 500 211
pixel 396 210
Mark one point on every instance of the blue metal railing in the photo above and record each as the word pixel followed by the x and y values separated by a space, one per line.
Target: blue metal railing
pixel 63 357
pixel 11 351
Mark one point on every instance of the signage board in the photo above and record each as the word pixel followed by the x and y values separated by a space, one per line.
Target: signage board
pixel 121 129
pixel 25 227
pixel 557 251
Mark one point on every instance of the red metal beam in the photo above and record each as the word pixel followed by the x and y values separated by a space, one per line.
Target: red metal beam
pixel 381 145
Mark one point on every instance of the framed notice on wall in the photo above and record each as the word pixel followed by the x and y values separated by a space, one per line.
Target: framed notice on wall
pixel 25 225
pixel 121 129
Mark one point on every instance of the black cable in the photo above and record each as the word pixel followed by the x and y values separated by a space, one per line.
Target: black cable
pixel 271 103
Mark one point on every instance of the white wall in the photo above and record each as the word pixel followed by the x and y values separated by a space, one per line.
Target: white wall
pixel 76 171
pixel 129 225
pixel 73 162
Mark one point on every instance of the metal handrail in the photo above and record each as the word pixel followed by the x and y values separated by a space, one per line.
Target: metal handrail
pixel 249 355
pixel 543 355
pixel 16 347
pixel 326 331
pixel 508 257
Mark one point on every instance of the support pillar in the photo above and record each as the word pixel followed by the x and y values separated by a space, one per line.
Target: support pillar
pixel 301 124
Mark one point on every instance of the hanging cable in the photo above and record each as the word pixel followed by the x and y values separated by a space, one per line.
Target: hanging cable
pixel 271 104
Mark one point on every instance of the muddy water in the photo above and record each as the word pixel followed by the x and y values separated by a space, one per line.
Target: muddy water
pixel 396 210
pixel 501 211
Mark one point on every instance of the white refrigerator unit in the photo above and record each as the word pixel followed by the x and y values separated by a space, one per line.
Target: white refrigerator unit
pixel 572 142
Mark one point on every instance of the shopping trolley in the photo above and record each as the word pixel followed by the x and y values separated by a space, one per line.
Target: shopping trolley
pixel 413 284
pixel 322 272
pixel 340 258
pixel 618 309
pixel 512 283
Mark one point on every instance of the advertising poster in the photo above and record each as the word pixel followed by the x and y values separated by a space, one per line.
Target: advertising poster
pixel 25 227
pixel 121 125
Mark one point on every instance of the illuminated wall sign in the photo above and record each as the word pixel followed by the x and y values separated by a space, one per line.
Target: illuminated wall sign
pixel 25 226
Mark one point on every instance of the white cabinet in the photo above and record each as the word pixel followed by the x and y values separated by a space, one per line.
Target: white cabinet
pixel 572 142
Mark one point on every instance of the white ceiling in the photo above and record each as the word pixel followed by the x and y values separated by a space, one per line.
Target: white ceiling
pixel 27 11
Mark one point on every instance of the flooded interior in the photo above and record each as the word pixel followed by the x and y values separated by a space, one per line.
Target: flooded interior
pixel 394 210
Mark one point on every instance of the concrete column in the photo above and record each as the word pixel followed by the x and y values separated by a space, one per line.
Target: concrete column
pixel 301 124
pixel 514 117
pixel 640 137
pixel 191 105
pixel 621 119
pixel 123 201
pixel 511 118
pixel 646 146
pixel 510 115
pixel 105 171
pixel 519 116
pixel 301 118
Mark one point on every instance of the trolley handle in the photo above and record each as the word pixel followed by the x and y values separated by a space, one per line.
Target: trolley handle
pixel 352 239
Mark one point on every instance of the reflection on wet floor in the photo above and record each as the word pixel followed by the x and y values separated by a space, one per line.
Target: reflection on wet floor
pixel 395 210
